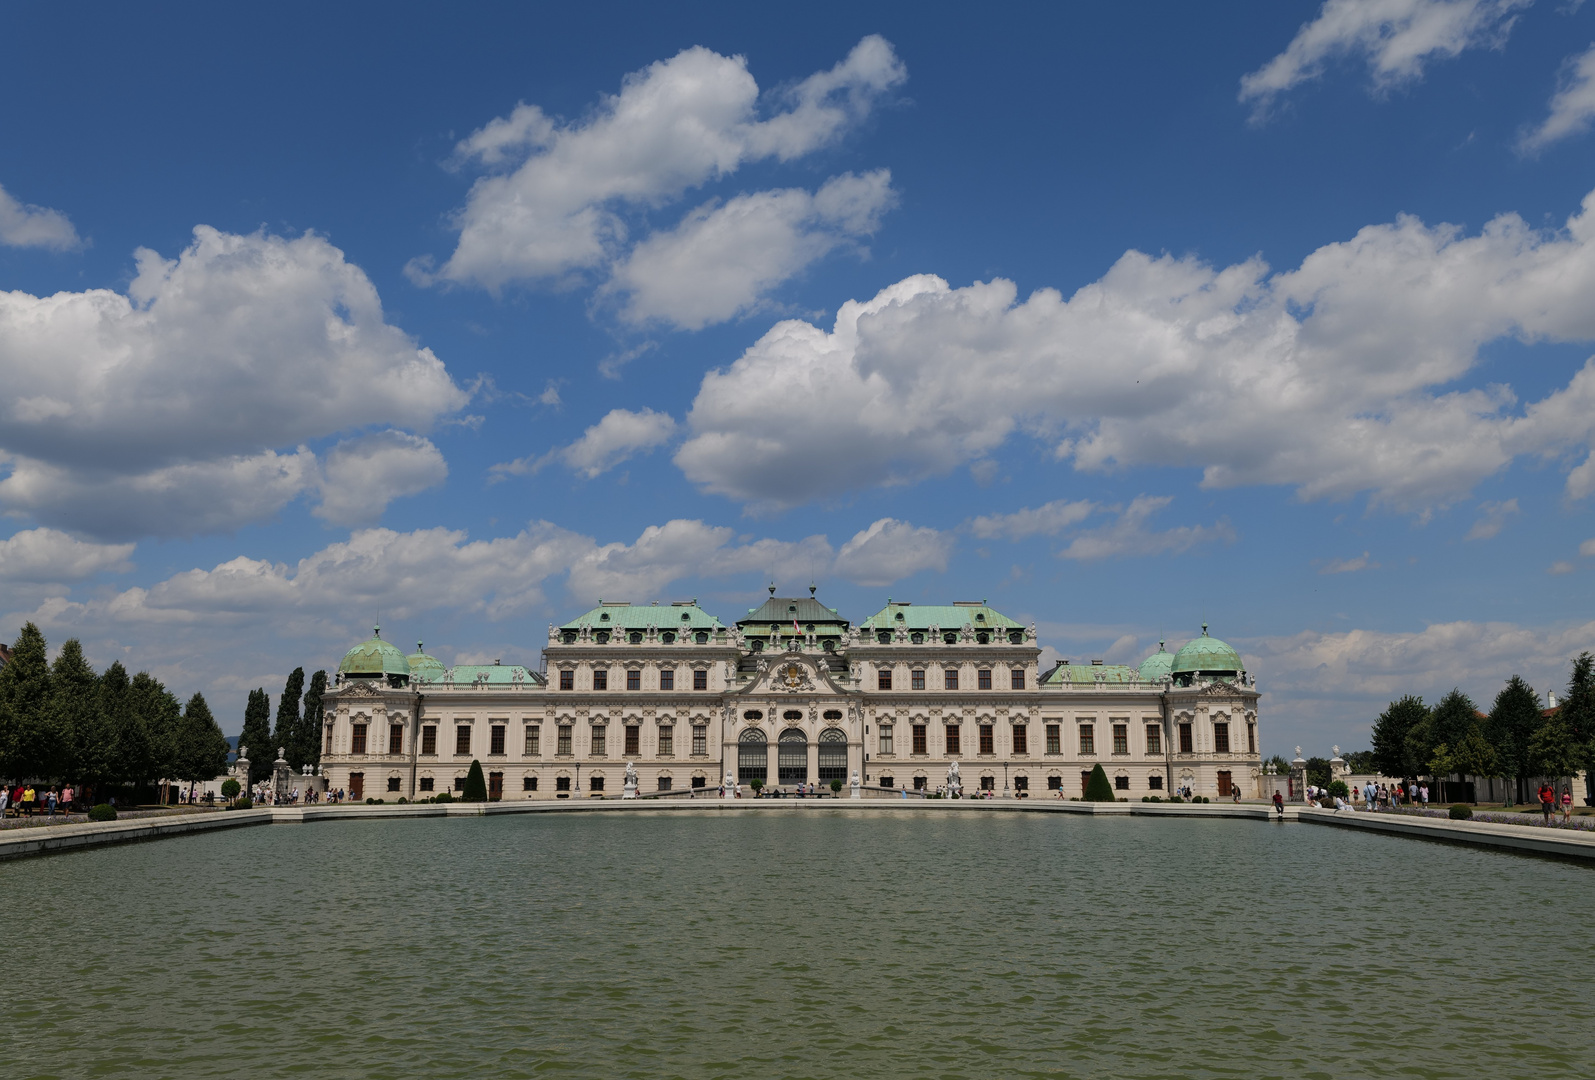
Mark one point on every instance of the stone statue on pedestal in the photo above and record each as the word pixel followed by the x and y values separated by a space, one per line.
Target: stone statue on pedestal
pixel 630 791
pixel 856 786
pixel 729 788
pixel 954 786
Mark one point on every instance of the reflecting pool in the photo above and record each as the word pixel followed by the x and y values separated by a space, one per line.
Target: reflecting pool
pixel 813 944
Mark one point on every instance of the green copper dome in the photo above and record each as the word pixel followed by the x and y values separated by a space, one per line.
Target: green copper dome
pixel 424 668
pixel 374 658
pixel 1158 666
pixel 1206 656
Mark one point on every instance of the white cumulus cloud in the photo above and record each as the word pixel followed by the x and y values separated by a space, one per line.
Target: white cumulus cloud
pixel 723 258
pixel 1492 519
pixel 1396 38
pixel 24 225
pixel 562 198
pixel 1572 106
pixel 48 555
pixel 362 475
pixel 620 435
pixel 1049 519
pixel 183 405
pixel 890 550
pixel 1333 377
pixel 1129 535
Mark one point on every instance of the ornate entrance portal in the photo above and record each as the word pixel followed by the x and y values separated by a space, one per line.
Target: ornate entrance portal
pixel 753 756
pixel 792 757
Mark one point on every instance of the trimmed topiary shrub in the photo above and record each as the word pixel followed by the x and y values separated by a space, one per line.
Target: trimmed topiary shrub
pixel 475 789
pixel 756 784
pixel 1461 812
pixel 443 796
pixel 402 800
pixel 230 788
pixel 1338 789
pixel 246 803
pixel 103 812
pixel 836 786
pixel 1099 788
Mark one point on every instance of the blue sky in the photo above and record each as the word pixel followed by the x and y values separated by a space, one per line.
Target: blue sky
pixel 1124 317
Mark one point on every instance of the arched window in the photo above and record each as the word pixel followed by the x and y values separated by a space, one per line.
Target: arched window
pixel 701 637
pixel 833 755
pixel 753 758
pixel 757 644
pixel 636 637
pixel 792 756
pixel 917 638
pixel 668 637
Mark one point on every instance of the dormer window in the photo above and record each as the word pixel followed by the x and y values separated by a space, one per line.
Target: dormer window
pixel 604 617
pixel 636 637
pixel 602 637
pixel 667 637
pixel 884 637
pixel 980 616
pixel 568 637
pixel 1016 637
pixel 701 637
pixel 950 637
pixel 917 638
pixel 899 616
pixel 983 638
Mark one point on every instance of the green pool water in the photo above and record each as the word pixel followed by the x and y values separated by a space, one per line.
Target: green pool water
pixel 833 943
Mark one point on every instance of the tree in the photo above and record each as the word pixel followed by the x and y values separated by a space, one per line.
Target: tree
pixel 257 735
pixel 1513 721
pixel 159 713
pixel 1361 762
pixel 30 745
pixel 75 709
pixel 1098 788
pixel 1553 751
pixel 128 760
pixel 475 789
pixel 1278 765
pixel 309 742
pixel 202 748
pixel 1391 754
pixel 1318 772
pixel 1578 713
pixel 285 736
pixel 1473 756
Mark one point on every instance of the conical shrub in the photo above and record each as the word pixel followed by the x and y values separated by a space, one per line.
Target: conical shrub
pixel 475 784
pixel 1098 789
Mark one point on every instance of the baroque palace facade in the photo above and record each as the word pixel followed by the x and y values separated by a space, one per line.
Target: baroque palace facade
pixel 791 694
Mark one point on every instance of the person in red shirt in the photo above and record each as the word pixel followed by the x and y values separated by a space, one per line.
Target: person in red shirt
pixel 1547 797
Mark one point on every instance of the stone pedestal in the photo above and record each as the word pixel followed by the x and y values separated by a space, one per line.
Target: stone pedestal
pixel 857 788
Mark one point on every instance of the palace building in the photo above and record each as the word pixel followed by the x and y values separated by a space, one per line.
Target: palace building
pixel 791 694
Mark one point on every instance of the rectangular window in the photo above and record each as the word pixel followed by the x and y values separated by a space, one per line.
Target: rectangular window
pixel 1088 738
pixel 664 783
pixel 567 680
pixel 1021 743
pixel 1054 739
pixel 528 783
pixel 1121 738
pixel 988 741
pixel 561 783
pixel 358 744
pixel 1185 738
pixel 919 739
pixel 429 739
pixel 700 739
pixel 667 678
pixel 329 741
pixel 462 739
pixel 916 680
pixel 700 781
pixel 395 738
pixel 950 679
pixel 600 741
pixel 1154 739
pixel 667 741
pixel 534 740
pixel 601 680
pixel 1221 739
pixel 1155 782
pixel 1085 783
pixel 633 740
pixel 700 679
pixel 393 784
pixel 459 783
pixel 496 740
pixel 983 679
pixel 921 783
pixel 426 783
pixel 886 738
pixel 633 679
pixel 595 783
pixel 952 739
pixel 883 679
pixel 1016 679
pixel 564 740
pixel 1121 783
pixel 1054 783
pixel 1251 738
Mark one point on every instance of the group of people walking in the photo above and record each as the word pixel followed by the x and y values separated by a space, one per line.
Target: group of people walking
pixel 22 800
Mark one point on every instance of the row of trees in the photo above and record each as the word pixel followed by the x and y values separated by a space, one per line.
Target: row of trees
pixel 1516 740
pixel 62 722
pixel 297 734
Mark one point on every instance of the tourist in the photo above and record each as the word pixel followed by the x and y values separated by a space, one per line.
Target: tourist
pixel 1423 792
pixel 28 797
pixel 5 801
pixel 1279 802
pixel 66 799
pixel 1567 805
pixel 49 803
pixel 1547 797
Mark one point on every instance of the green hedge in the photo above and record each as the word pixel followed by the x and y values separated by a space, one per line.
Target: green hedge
pixel 1099 788
pixel 103 812
pixel 1461 812
pixel 475 784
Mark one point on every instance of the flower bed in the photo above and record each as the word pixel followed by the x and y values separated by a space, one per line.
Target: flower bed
pixel 1583 823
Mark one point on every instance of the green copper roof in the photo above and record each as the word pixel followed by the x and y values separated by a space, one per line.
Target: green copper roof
pixel 1206 654
pixel 374 657
pixel 1086 674
pixel 781 610
pixel 489 675
pixel 946 617
pixel 1155 667
pixel 424 668
pixel 614 616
